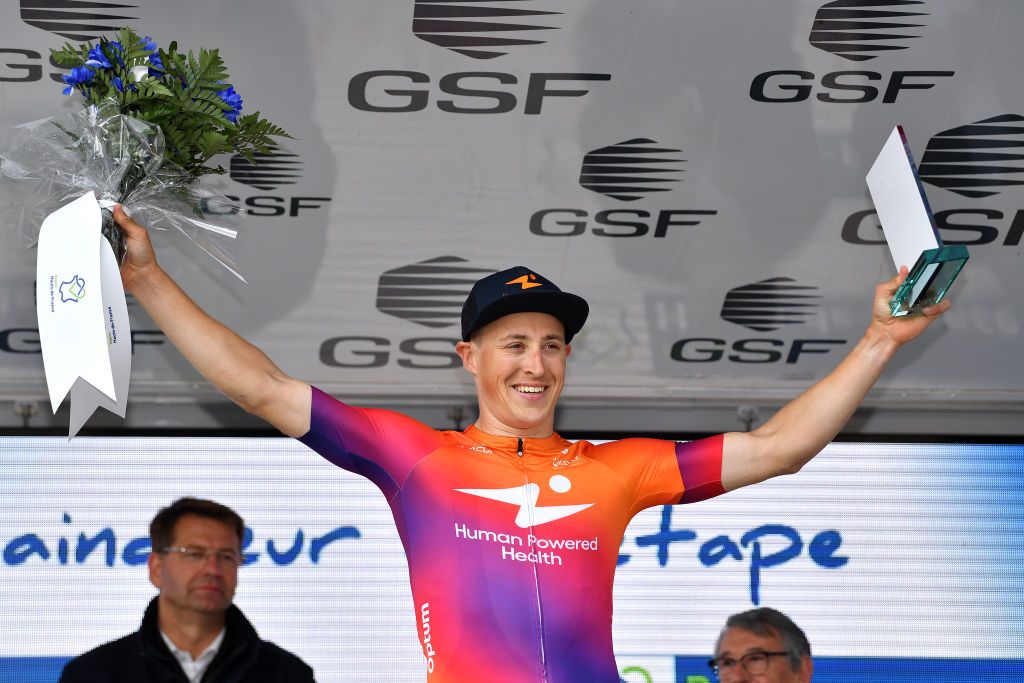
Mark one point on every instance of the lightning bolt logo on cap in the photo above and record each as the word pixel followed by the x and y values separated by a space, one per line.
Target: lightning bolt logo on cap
pixel 525 281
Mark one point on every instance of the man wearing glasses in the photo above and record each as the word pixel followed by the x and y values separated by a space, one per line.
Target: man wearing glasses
pixel 762 646
pixel 191 632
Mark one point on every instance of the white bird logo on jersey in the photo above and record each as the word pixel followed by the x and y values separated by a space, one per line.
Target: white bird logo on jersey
pixel 525 496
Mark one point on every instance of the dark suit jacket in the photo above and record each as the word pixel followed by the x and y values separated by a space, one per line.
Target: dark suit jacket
pixel 143 657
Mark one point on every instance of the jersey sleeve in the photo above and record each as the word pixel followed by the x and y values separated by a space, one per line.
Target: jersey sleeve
pixel 700 468
pixel 658 472
pixel 381 445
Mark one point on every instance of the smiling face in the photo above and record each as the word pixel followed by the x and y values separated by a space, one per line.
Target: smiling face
pixel 189 588
pixel 519 365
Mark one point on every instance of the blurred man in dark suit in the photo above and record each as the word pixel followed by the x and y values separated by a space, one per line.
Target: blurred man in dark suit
pixel 191 633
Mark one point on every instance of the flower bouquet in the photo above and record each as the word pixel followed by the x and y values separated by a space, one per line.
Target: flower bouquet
pixel 153 121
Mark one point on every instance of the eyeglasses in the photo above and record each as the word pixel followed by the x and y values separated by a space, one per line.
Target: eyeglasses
pixel 193 555
pixel 754 663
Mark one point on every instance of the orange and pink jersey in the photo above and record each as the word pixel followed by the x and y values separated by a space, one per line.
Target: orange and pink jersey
pixel 512 543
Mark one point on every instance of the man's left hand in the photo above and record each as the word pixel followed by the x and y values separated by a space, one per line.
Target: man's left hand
pixel 904 328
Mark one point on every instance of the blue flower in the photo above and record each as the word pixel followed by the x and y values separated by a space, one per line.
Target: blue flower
pixel 156 66
pixel 80 75
pixel 233 100
pixel 118 50
pixel 119 84
pixel 97 58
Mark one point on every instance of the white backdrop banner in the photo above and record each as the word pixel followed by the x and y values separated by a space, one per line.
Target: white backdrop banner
pixel 900 561
pixel 695 169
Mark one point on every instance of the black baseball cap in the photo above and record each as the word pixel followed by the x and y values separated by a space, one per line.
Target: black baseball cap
pixel 521 290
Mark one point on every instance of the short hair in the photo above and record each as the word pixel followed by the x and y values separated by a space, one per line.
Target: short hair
pixel 765 621
pixel 161 529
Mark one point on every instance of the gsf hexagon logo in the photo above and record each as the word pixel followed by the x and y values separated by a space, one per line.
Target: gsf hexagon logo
pixel 631 169
pixel 428 293
pixel 271 173
pixel 860 30
pixel 857 31
pixel 626 171
pixel 977 160
pixel 75 20
pixel 78 20
pixel 764 306
pixel 266 170
pixel 481 29
pixel 767 305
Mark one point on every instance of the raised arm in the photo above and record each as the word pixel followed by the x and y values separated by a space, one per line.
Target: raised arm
pixel 805 425
pixel 237 368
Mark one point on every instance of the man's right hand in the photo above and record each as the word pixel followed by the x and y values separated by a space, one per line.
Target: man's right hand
pixel 140 258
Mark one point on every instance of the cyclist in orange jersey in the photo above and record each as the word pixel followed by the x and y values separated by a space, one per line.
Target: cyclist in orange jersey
pixel 512 532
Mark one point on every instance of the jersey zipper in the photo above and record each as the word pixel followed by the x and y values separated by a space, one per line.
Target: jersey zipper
pixel 536 584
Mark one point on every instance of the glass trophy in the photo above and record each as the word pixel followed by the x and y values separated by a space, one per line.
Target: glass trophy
pixel 910 230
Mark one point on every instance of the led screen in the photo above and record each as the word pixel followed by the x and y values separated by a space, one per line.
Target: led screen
pixel 901 562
